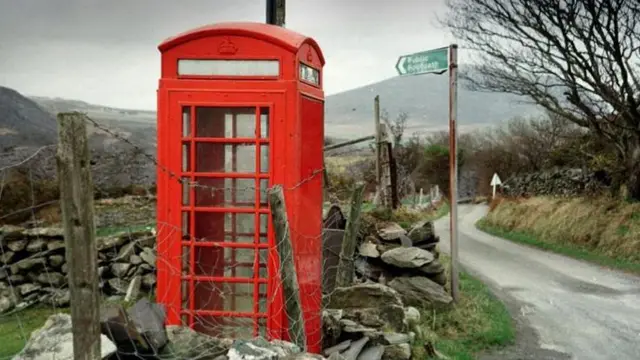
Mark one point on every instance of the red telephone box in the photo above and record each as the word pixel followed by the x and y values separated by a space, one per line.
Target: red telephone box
pixel 240 109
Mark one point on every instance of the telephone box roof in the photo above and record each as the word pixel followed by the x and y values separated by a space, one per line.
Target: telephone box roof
pixel 277 35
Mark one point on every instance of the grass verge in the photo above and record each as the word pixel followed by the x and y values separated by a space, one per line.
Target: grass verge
pixel 601 231
pixel 16 328
pixel 567 249
pixel 479 322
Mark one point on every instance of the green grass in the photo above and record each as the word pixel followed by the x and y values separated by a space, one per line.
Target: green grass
pixel 568 249
pixel 479 322
pixel 15 329
pixel 106 231
pixel 441 211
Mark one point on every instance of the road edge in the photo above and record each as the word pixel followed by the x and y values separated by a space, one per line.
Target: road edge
pixel 527 344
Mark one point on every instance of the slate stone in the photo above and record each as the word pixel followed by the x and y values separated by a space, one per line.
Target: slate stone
pixel 55 341
pixel 337 348
pixel 354 350
pixel 371 353
pixel 407 257
pixel 363 295
pixel 420 292
pixel 149 321
pixel 390 231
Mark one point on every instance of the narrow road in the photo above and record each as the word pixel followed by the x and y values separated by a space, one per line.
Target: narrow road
pixel 566 309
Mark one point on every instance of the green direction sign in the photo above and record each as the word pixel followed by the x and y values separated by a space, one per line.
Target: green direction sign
pixel 431 61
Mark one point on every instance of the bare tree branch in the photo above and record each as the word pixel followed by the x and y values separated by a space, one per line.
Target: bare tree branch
pixel 579 59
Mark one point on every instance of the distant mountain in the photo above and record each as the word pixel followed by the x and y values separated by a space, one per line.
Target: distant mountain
pixel 425 99
pixel 23 122
pixel 28 125
pixel 349 114
pixel 105 113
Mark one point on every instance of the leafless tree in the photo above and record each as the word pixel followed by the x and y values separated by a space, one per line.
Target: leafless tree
pixel 396 127
pixel 579 59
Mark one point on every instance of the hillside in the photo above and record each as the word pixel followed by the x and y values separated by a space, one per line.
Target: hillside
pixel 30 122
pixel 136 125
pixel 28 125
pixel 348 114
pixel 23 122
pixel 425 99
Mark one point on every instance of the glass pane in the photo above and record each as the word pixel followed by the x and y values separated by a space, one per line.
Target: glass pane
pixel 263 260
pixel 211 157
pixel 186 121
pixel 263 298
pixel 264 223
pixel 186 186
pixel 264 190
pixel 209 192
pixel 209 261
pixel 208 226
pixel 239 262
pixel 186 157
pixel 219 122
pixel 186 267
pixel 244 225
pixel 225 192
pixel 234 297
pixel 186 226
pixel 264 123
pixel 229 227
pixel 264 158
pixel 241 192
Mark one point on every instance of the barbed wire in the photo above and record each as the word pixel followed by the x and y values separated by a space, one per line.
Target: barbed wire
pixel 230 280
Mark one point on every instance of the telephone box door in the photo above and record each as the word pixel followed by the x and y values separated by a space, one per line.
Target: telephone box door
pixel 222 251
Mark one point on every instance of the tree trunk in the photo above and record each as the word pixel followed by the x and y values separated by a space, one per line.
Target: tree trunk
pixel 633 172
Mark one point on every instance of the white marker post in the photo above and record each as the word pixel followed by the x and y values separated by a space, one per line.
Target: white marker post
pixel 495 181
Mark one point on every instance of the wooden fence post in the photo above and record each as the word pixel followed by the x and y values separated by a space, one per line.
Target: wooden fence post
pixel 376 125
pixel 393 177
pixel 76 200
pixel 289 277
pixel 344 274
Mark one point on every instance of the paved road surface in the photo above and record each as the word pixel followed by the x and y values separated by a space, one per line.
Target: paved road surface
pixel 571 310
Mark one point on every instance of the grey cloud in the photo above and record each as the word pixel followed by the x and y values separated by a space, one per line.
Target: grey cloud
pixel 106 51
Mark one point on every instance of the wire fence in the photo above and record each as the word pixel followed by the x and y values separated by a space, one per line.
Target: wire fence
pixel 216 264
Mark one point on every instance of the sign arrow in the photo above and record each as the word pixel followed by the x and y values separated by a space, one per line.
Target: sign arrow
pixel 430 61
pixel 401 65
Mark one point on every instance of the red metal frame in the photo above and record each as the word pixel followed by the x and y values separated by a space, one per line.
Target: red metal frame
pixel 295 155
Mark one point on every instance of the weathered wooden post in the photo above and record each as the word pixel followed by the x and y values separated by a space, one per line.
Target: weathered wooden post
pixel 76 200
pixel 344 275
pixel 289 277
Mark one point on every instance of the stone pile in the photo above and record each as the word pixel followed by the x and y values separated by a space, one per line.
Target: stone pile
pixel 139 333
pixel 33 268
pixel 559 182
pixel 401 259
pixel 368 321
pixel 397 272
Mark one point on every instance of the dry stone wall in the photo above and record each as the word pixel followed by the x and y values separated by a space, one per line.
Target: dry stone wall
pixel 559 182
pixel 397 273
pixel 33 268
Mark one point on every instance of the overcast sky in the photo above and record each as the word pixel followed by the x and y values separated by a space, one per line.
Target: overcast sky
pixel 105 52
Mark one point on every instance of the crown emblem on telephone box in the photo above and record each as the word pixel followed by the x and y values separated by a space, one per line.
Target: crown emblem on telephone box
pixel 227 47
